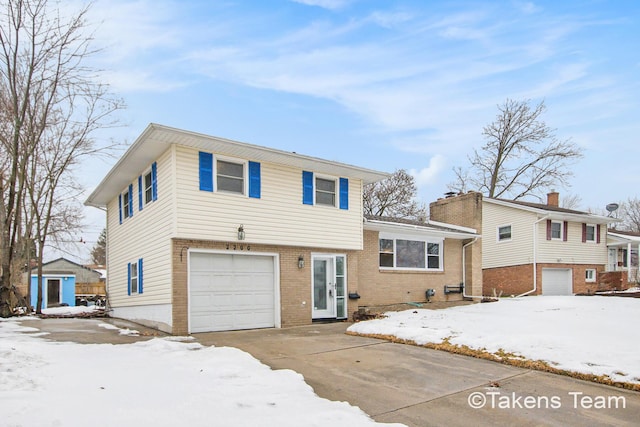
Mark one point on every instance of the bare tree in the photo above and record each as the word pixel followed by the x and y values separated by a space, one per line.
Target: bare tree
pixel 571 201
pixel 630 214
pixel 52 104
pixel 99 251
pixel 394 197
pixel 521 156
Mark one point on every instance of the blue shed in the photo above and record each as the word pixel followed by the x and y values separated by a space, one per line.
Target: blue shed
pixel 57 289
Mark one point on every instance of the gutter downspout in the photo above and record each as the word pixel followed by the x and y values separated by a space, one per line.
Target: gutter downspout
pixel 464 270
pixel 535 257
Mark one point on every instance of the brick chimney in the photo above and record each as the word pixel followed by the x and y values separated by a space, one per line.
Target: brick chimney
pixel 553 198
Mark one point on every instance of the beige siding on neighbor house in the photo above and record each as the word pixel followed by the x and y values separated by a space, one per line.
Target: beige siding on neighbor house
pixel 146 235
pixel 574 250
pixel 278 218
pixel 518 250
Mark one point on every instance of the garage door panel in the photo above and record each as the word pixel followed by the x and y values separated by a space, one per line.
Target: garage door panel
pixel 556 281
pixel 229 291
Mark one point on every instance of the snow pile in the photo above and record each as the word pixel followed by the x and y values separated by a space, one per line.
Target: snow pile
pixel 592 335
pixel 161 382
pixel 70 311
pixel 126 331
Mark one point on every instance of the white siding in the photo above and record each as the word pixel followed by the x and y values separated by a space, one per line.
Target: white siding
pixel 279 217
pixel 573 251
pixel 517 251
pixel 146 235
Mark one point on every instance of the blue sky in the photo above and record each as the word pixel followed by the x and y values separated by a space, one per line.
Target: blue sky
pixel 380 84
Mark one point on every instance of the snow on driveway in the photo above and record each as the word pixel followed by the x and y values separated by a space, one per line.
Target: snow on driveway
pixel 592 335
pixel 161 382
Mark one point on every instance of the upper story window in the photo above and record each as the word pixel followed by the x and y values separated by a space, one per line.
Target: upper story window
pixel 318 190
pixel 399 253
pixel 230 176
pixel 556 230
pixel 504 233
pixel 590 233
pixel 126 204
pixel 325 191
pixel 148 188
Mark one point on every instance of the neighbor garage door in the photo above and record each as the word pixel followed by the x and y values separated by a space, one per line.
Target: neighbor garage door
pixel 556 281
pixel 231 291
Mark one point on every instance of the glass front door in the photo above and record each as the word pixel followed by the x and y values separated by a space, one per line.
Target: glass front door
pixel 329 287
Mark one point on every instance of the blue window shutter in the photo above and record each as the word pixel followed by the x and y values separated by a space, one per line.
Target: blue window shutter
pixel 154 181
pixel 129 279
pixel 130 200
pixel 120 206
pixel 140 276
pixel 206 171
pixel 307 188
pixel 254 180
pixel 140 193
pixel 344 193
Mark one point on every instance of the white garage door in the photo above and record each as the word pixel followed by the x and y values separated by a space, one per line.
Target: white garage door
pixel 556 281
pixel 229 292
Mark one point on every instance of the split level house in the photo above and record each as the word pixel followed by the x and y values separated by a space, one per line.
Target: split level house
pixel 208 234
pixel 531 248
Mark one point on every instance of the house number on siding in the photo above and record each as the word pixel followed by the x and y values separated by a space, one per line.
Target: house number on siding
pixel 237 247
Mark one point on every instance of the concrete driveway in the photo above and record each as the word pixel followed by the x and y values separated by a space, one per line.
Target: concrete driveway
pixel 400 383
pixel 422 387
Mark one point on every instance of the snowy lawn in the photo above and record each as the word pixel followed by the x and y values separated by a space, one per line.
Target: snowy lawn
pixel 161 382
pixel 591 335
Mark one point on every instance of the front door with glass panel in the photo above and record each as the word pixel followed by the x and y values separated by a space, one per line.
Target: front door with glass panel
pixel 329 287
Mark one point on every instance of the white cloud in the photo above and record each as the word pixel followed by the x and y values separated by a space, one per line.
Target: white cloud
pixel 325 4
pixel 427 176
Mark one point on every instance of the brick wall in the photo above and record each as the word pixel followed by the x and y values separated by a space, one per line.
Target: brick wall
pixel 464 210
pixel 295 283
pixel 518 279
pixel 380 287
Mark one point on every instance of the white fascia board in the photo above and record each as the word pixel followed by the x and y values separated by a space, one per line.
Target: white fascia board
pixel 551 214
pixel 623 238
pixel 394 227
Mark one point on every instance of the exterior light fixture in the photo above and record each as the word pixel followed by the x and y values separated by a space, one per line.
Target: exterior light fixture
pixel 300 261
pixel 241 232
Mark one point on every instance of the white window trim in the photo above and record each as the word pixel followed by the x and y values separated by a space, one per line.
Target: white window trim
pixel 144 187
pixel 593 279
pixel 498 233
pixel 595 234
pixel 125 204
pixel 336 190
pixel 426 241
pixel 245 175
pixel 561 230
pixel 136 277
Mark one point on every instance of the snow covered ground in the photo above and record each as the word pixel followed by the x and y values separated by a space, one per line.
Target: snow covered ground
pixel 161 382
pixel 593 335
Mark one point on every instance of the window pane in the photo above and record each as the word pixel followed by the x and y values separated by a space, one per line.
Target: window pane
pixel 325 198
pixel 125 204
pixel 340 286
pixel 591 233
pixel 341 309
pixel 433 262
pixel 230 169
pixel 230 184
pixel 410 254
pixel 340 265
pixel 433 248
pixel 134 278
pixel 556 230
pixel 148 194
pixel 325 185
pixel 386 260
pixel 386 245
pixel 504 233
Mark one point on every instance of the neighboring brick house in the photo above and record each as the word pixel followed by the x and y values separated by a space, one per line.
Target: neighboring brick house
pixel 531 248
pixel 207 234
